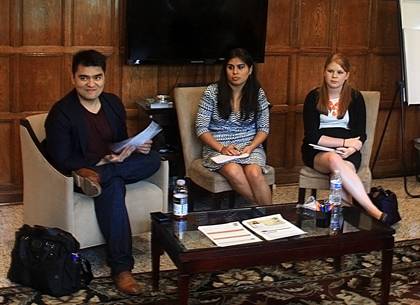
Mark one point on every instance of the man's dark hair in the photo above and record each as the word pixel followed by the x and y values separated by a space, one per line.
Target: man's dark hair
pixel 88 58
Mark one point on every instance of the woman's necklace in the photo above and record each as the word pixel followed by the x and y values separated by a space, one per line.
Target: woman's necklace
pixel 333 105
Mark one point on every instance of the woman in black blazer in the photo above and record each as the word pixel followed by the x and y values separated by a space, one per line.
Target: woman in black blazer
pixel 335 117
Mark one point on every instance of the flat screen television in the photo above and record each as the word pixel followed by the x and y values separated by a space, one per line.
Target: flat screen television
pixel 193 31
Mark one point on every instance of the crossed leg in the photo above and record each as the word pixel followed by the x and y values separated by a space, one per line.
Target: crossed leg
pixel 330 161
pixel 248 181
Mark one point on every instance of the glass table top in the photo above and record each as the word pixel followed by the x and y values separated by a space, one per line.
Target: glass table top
pixel 190 238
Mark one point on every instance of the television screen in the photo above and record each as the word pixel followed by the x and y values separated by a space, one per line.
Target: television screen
pixel 193 31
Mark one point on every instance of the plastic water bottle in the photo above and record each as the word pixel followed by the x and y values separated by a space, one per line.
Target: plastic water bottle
pixel 336 220
pixel 180 227
pixel 180 199
pixel 335 202
pixel 335 189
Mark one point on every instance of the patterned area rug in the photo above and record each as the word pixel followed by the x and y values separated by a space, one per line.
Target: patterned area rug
pixel 305 283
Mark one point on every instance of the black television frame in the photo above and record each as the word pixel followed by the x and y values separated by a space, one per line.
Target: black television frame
pixel 174 47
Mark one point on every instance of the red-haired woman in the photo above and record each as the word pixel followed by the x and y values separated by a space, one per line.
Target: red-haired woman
pixel 335 116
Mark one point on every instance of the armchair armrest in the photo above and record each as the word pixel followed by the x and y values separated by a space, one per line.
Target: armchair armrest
pixel 47 193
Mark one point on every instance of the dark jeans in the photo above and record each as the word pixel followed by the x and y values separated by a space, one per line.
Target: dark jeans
pixel 110 208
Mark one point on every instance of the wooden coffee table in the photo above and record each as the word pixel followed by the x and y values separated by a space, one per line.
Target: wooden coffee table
pixel 192 252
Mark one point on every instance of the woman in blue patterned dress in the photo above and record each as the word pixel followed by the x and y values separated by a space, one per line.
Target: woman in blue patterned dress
pixel 233 119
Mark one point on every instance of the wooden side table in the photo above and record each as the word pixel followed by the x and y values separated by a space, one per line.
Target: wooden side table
pixel 167 142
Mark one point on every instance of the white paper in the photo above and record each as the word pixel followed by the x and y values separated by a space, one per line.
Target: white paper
pixel 272 227
pixel 228 234
pixel 152 130
pixel 324 148
pixel 225 158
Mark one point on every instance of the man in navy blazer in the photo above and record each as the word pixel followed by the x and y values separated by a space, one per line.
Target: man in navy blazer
pixel 79 130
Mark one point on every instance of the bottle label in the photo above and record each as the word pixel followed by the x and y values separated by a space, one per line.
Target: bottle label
pixel 335 185
pixel 180 203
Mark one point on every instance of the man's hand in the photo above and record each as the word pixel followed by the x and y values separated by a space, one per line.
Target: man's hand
pixel 125 153
pixel 145 147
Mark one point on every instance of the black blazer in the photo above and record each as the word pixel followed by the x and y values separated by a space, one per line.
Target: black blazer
pixel 65 127
pixel 311 117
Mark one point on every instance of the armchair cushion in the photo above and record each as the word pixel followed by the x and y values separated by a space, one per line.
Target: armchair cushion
pixel 141 200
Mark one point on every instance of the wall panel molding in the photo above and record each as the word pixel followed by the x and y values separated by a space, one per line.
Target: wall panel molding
pixel 38 38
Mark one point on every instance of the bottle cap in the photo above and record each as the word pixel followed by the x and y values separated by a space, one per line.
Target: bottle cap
pixel 180 182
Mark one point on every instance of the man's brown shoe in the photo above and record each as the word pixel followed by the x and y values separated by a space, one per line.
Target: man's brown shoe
pixel 88 180
pixel 126 283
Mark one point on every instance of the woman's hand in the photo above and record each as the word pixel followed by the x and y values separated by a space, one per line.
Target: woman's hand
pixel 353 142
pixel 247 150
pixel 230 150
pixel 345 152
pixel 145 147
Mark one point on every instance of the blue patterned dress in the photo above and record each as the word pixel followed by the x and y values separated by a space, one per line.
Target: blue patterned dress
pixel 233 130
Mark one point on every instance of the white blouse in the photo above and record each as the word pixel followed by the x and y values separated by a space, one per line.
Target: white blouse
pixel 331 120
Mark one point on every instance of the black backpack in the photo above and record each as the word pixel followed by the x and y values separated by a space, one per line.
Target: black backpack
pixel 386 201
pixel 48 259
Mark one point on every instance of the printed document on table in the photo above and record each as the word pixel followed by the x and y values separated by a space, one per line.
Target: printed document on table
pixel 272 227
pixel 152 130
pixel 228 234
pixel 225 158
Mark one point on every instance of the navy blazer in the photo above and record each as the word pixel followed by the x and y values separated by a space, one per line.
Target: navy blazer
pixel 65 127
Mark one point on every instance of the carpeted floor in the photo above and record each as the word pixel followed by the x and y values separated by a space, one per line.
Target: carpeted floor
pixel 305 283
pixel 278 287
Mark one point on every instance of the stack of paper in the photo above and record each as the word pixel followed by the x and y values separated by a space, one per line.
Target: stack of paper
pixel 324 148
pixel 152 130
pixel 225 158
pixel 272 227
pixel 228 234
pixel 234 233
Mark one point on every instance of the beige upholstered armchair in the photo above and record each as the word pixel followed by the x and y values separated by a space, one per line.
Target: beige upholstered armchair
pixel 312 179
pixel 49 198
pixel 186 103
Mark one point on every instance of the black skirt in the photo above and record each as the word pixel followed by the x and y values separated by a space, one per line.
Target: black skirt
pixel 309 153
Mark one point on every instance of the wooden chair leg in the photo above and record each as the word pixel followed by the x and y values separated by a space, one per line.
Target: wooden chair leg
pixel 301 195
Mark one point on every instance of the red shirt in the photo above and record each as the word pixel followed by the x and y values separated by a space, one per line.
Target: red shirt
pixel 99 135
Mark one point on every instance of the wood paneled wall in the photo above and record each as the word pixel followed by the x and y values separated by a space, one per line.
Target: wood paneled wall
pixel 38 38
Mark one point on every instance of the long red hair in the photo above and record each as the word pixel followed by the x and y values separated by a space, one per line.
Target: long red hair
pixel 345 94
